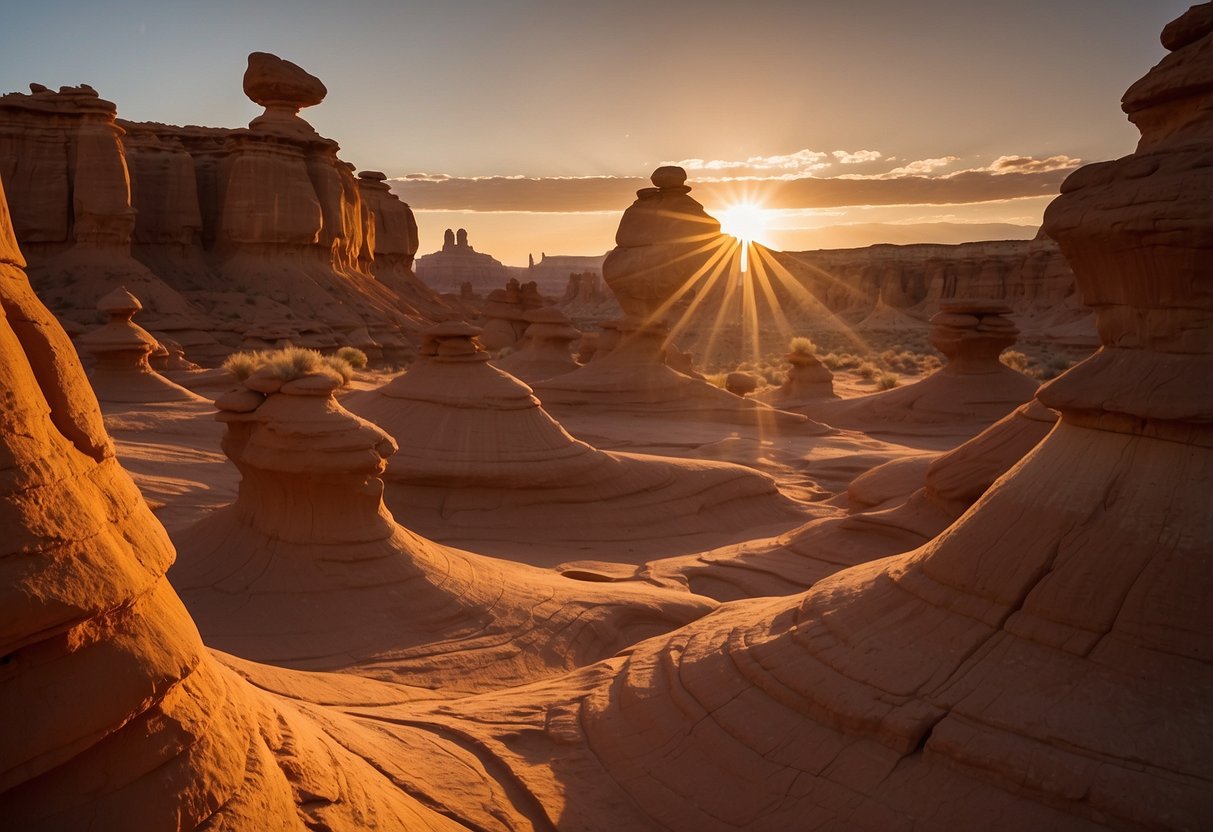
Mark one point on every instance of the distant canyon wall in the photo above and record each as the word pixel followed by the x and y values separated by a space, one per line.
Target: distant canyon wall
pixel 254 235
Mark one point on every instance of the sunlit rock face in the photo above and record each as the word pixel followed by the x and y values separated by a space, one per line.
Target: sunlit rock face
pixel 1041 664
pixel 125 720
pixel 481 460
pixel 216 230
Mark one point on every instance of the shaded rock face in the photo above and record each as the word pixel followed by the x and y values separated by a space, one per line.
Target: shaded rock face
pixel 1042 663
pixel 127 721
pixel 215 229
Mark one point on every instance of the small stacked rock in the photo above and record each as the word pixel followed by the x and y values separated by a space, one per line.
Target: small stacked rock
pixel 283 88
pixel 808 380
pixel 121 348
pixel 547 347
pixel 972 333
pixel 504 317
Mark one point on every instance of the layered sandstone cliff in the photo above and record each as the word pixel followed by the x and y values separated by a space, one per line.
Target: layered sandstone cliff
pixel 220 232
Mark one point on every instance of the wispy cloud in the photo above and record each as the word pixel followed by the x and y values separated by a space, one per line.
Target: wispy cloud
pixel 781 181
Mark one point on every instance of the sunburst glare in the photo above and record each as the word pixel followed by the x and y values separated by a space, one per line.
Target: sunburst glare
pixel 747 222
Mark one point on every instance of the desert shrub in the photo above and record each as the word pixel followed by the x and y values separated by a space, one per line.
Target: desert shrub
pixel 716 379
pixel 243 364
pixel 802 346
pixel 867 370
pixel 886 380
pixel 1016 360
pixel 355 357
pixel 289 364
pixel 845 361
pixel 1055 366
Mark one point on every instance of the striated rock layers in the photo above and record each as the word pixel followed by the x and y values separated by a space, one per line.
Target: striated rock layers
pixel 218 231
pixel 969 393
pixel 482 464
pixel 307 569
pixel 1044 663
pixel 117 717
pixel 456 263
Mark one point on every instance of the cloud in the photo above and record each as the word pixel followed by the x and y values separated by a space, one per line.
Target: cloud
pixel 858 157
pixel 920 182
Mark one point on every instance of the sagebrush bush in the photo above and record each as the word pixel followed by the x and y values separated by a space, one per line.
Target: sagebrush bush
pixel 1016 360
pixel 289 364
pixel 354 356
pixel 801 345
pixel 886 380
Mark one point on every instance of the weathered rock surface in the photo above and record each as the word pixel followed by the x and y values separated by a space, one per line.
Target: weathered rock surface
pixel 307 569
pixel 481 464
pixel 969 393
pixel 546 348
pixel 122 372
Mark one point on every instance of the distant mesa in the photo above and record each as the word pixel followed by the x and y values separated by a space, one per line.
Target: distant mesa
pixel 457 262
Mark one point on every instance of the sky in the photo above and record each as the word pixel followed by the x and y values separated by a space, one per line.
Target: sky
pixel 531 124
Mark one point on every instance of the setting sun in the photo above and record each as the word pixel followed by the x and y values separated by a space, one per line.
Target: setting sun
pixel 747 222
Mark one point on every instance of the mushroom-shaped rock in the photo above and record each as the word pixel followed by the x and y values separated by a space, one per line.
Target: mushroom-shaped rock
pixel 481 464
pixel 307 569
pixel 968 394
pixel 546 349
pixel 122 373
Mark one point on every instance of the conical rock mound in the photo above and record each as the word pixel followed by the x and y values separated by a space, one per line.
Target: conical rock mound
pixel 307 569
pixel 479 458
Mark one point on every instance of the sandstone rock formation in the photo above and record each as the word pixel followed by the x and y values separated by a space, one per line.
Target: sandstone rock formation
pixel 1043 663
pixel 808 381
pixel 505 315
pixel 457 263
pixel 553 273
pixel 481 464
pixel 972 391
pixel 546 349
pixel 122 372
pixel 664 244
pixel 126 721
pixel 214 229
pixel 307 568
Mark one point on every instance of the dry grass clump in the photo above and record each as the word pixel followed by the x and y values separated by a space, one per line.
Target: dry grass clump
pixel 843 361
pixel 1043 369
pixel 867 370
pixel 886 380
pixel 355 357
pixel 801 345
pixel 291 363
pixel 909 362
